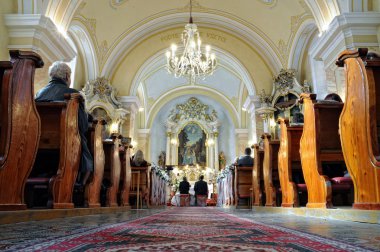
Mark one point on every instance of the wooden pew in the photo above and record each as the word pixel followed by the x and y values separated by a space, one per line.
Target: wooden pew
pixel 320 142
pixel 112 169
pixel 144 183
pixel 95 140
pixel 359 125
pixel 19 126
pixel 125 176
pixel 59 150
pixel 257 176
pixel 270 169
pixel 243 184
pixel 289 160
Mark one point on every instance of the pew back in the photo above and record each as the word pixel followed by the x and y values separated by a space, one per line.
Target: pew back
pixel 319 143
pixel 112 169
pixel 270 169
pixel 59 138
pixel 359 125
pixel 289 161
pixel 243 183
pixel 257 176
pixel 19 127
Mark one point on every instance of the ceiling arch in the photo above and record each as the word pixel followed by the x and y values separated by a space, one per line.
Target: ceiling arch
pixel 86 46
pixel 127 41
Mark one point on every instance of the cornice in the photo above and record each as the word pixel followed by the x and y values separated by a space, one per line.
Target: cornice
pixel 343 27
pixel 42 33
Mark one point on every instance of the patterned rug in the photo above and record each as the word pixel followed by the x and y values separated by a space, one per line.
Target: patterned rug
pixel 191 229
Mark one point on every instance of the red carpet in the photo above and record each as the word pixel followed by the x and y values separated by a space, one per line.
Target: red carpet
pixel 193 229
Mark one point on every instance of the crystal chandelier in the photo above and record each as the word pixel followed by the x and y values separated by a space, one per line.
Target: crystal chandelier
pixel 193 62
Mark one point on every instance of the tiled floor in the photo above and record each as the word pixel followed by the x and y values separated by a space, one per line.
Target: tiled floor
pixel 365 235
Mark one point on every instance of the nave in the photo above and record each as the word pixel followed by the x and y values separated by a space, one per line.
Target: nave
pixel 190 229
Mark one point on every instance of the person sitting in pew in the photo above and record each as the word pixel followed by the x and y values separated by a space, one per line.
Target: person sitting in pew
pixel 138 160
pixel 245 160
pixel 58 85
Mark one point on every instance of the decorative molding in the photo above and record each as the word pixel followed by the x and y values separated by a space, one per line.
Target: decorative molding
pixel 100 94
pixel 43 35
pixel 284 81
pixel 132 103
pixel 193 109
pixel 334 39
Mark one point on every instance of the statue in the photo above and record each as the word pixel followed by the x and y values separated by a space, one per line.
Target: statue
pixel 161 159
pixel 222 160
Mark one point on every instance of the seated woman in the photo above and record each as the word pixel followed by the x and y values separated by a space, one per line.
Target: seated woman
pixel 138 160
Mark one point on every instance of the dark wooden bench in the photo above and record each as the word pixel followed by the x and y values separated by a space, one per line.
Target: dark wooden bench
pixel 257 176
pixel 360 123
pixel 95 142
pixel 243 185
pixel 270 169
pixel 112 169
pixel 19 126
pixel 320 145
pixel 289 163
pixel 58 156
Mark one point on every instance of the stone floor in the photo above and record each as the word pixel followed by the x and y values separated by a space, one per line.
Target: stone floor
pixel 15 235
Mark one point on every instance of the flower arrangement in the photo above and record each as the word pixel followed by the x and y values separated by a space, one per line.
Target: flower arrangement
pixel 161 173
pixel 223 173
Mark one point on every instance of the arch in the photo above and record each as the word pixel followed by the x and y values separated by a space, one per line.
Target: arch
pixel 224 58
pixel 84 42
pixel 263 45
pixel 62 13
pixel 323 12
pixel 302 39
pixel 193 90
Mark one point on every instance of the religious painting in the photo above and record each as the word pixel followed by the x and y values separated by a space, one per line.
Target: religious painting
pixel 192 145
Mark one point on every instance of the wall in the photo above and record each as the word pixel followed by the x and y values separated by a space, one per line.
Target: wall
pixel 6 7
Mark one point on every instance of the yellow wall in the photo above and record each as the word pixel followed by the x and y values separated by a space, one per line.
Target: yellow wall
pixel 6 7
pixel 250 59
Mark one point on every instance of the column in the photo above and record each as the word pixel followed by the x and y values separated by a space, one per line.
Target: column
pixel 216 156
pixel 168 139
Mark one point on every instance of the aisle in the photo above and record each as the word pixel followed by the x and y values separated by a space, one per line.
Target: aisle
pixel 179 229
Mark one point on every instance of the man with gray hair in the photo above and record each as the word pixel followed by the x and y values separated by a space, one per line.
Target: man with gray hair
pixel 58 85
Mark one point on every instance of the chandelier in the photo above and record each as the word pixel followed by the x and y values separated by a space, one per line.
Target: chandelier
pixel 191 61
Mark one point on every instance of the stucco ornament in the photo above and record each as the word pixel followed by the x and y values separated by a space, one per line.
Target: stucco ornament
pixel 284 80
pixel 192 109
pixel 101 89
pixel 265 99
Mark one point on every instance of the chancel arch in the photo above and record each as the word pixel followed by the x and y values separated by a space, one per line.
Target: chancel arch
pixel 215 122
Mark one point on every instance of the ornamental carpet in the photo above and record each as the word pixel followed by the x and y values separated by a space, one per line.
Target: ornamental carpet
pixel 190 229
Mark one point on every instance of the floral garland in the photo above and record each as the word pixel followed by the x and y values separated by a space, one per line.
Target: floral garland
pixel 161 173
pixel 223 173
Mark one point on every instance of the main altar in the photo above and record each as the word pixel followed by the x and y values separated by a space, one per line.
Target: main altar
pixel 192 141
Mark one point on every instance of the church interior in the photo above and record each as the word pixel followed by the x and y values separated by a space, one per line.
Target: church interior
pixel 185 90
